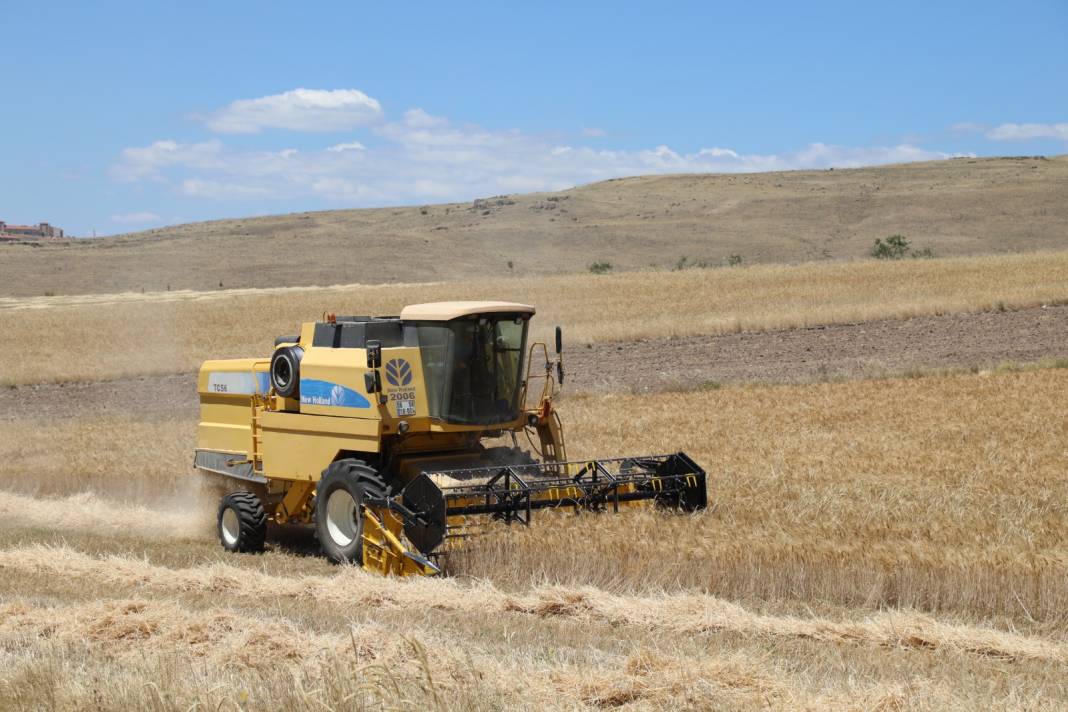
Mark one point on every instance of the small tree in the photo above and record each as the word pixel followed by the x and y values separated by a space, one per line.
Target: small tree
pixel 893 248
pixel 734 260
pixel 600 267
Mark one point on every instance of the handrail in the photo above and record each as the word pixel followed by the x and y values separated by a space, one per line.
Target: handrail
pixel 548 387
pixel 256 381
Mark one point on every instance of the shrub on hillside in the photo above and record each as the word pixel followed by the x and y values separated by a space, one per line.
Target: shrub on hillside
pixel 894 247
pixel 600 267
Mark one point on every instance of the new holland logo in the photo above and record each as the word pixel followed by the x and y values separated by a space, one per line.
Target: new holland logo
pixel 398 372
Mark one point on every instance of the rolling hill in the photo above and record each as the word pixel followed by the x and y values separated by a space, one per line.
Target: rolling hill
pixel 954 207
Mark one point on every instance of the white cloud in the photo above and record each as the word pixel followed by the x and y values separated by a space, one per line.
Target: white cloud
pixel 148 162
pixel 594 133
pixel 298 110
pixel 718 153
pixel 350 146
pixel 419 119
pixel 141 218
pixel 1025 132
pixel 424 157
pixel 225 190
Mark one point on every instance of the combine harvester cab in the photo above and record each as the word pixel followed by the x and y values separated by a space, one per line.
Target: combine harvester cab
pixel 373 430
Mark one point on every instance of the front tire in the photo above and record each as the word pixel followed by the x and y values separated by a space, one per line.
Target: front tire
pixel 339 499
pixel 242 523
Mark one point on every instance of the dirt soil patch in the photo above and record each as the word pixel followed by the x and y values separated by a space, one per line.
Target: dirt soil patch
pixel 837 352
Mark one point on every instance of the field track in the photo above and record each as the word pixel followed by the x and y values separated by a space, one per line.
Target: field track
pixel 844 351
pixel 681 613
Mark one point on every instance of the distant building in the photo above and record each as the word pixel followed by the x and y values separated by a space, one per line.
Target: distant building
pixel 40 231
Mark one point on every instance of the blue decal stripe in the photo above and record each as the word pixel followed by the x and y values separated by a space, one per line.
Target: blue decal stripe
pixel 315 392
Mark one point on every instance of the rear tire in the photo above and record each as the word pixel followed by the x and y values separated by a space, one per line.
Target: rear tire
pixel 242 523
pixel 339 498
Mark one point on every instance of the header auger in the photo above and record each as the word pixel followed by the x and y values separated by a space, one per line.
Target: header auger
pixel 372 429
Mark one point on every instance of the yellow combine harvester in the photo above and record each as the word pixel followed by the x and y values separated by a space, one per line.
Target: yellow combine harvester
pixel 373 429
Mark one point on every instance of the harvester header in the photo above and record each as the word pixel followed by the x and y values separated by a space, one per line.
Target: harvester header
pixel 380 431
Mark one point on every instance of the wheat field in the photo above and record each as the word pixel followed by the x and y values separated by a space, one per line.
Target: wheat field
pixel 867 547
pixel 883 544
pixel 95 337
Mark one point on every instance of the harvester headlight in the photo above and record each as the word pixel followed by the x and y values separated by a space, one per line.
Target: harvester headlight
pixel 402 427
pixel 532 420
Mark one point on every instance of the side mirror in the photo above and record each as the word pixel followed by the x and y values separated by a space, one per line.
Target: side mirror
pixel 374 354
pixel 372 380
pixel 559 361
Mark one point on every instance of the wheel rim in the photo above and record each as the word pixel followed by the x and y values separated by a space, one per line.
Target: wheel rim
pixel 282 372
pixel 341 517
pixel 230 527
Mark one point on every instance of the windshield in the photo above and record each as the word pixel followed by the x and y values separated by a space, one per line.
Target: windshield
pixel 473 368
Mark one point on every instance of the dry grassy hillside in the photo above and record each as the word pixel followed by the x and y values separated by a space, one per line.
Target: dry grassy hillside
pixel 956 207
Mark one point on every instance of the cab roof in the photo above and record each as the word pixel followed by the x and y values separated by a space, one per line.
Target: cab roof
pixel 446 311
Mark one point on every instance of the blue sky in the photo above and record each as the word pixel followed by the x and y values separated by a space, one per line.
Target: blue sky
pixel 123 116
